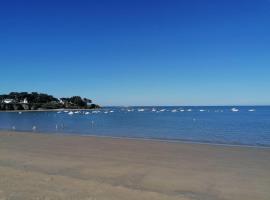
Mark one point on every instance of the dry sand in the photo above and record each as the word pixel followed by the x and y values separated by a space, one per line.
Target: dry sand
pixel 40 166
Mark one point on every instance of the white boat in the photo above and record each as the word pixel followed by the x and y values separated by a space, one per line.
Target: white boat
pixel 111 111
pixel 182 110
pixel 189 110
pixel 140 110
pixel 76 112
pixel 234 110
pixel 154 110
pixel 202 110
pixel 251 110
pixel 174 110
pixel 162 110
pixel 86 113
pixel 70 113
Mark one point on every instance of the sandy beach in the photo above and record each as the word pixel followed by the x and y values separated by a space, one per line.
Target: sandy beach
pixel 44 166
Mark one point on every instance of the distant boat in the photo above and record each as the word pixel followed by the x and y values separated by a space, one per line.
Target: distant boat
pixel 154 110
pixel 251 110
pixel 140 110
pixel 174 110
pixel 111 111
pixel 182 110
pixel 234 110
pixel 162 110
pixel 20 112
pixel 87 113
pixel 77 112
pixel 106 112
pixel 202 110
pixel 189 110
pixel 59 112
pixel 70 113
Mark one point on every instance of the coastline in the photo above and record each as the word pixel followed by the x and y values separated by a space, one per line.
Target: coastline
pixel 40 166
pixel 51 110
pixel 181 141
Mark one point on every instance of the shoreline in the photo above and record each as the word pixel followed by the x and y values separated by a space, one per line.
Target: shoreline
pixel 140 139
pixel 53 166
pixel 51 110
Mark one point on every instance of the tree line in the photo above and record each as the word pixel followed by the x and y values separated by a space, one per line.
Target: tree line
pixel 39 101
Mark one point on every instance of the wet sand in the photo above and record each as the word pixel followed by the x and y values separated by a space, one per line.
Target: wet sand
pixel 44 166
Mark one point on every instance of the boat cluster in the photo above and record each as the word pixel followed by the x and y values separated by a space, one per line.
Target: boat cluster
pixel 154 110
pixel 179 110
pixel 85 112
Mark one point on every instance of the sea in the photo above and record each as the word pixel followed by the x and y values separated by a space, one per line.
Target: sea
pixel 227 125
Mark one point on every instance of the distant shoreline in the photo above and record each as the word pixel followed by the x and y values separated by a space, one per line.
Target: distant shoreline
pixel 41 101
pixel 51 110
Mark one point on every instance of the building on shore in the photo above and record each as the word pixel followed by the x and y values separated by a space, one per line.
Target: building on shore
pixel 8 101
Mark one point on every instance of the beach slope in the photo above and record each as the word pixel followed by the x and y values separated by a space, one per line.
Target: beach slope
pixel 47 166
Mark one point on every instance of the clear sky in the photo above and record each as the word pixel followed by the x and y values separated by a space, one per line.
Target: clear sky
pixel 138 52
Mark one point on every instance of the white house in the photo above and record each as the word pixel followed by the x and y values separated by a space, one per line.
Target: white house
pixel 61 101
pixel 25 100
pixel 8 100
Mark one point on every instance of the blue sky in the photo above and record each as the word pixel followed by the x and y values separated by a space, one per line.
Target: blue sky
pixel 138 52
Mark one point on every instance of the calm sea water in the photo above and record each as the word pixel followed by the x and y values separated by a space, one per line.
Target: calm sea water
pixel 222 125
